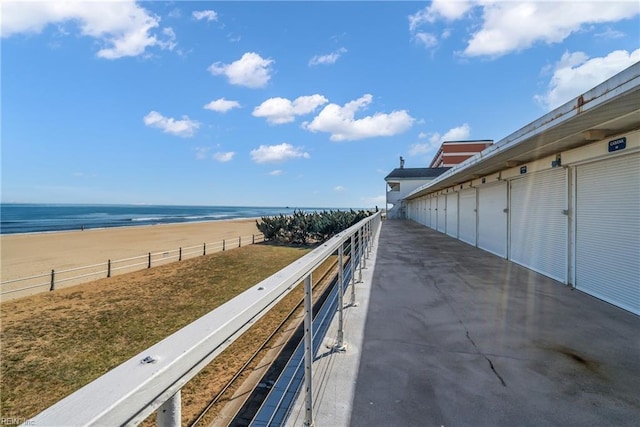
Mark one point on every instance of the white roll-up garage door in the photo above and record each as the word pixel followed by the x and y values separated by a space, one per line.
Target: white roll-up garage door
pixel 467 216
pixel 538 237
pixel 452 215
pixel 433 205
pixel 427 212
pixel 442 212
pixel 492 218
pixel 607 262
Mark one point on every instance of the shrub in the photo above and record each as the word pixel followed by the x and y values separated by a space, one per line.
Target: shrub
pixel 303 228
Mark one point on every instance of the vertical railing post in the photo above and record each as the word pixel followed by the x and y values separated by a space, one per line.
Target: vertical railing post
pixel 170 413
pixel 108 268
pixel 363 246
pixel 308 351
pixel 253 239
pixel 360 255
pixel 149 262
pixel 353 270
pixel 368 239
pixel 223 244
pixel 179 254
pixel 239 241
pixel 204 249
pixel 53 280
pixel 340 346
pixel 353 258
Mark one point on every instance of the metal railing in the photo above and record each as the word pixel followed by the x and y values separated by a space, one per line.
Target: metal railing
pixel 278 404
pixel 86 273
pixel 152 380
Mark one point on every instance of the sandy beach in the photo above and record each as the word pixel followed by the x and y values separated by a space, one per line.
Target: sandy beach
pixel 23 255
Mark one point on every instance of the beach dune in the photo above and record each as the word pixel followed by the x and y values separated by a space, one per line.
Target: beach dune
pixel 24 255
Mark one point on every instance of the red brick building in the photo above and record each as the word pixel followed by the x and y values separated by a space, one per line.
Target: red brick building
pixel 452 153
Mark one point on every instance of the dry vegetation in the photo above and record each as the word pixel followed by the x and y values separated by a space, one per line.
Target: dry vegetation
pixel 53 344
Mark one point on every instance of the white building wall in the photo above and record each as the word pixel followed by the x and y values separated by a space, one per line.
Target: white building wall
pixel 395 197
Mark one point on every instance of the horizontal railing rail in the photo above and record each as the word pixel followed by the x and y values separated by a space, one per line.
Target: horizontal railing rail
pixel 106 269
pixel 152 380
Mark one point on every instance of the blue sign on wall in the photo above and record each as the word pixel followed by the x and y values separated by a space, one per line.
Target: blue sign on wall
pixel 618 144
pixel 523 169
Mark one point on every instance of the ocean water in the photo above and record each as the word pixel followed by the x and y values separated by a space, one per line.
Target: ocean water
pixel 36 218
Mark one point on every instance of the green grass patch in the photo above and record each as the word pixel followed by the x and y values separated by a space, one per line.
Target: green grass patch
pixel 55 343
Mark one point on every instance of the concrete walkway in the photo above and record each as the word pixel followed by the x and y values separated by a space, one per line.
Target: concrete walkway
pixel 455 336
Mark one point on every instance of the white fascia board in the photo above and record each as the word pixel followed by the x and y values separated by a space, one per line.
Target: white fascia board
pixel 626 81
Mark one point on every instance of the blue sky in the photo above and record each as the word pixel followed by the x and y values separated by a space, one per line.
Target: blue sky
pixel 279 103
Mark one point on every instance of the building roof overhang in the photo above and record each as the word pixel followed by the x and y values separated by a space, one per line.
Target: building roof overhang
pixel 415 173
pixel 610 108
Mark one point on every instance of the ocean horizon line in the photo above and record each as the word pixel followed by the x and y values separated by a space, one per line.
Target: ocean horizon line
pixel 22 218
pixel 180 205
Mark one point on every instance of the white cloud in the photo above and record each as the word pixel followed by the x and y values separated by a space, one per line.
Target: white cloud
pixel 514 26
pixel 224 157
pixel 341 124
pixel 170 41
pixel 276 172
pixel 251 70
pixel 575 73
pixel 502 27
pixel 610 33
pixel 438 9
pixel 183 128
pixel 426 39
pixel 221 105
pixel 123 28
pixel 446 9
pixel 330 58
pixel 459 133
pixel 209 15
pixel 281 110
pixel 201 152
pixel 424 148
pixel 339 188
pixel 277 153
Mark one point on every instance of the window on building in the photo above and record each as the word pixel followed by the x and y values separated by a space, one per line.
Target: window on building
pixel 394 186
